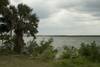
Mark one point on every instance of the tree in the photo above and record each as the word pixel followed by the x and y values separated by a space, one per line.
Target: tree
pixel 19 19
pixel 3 26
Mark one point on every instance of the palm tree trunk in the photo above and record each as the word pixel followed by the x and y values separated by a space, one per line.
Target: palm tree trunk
pixel 19 42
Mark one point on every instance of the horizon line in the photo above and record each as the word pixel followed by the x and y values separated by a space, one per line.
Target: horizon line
pixel 70 35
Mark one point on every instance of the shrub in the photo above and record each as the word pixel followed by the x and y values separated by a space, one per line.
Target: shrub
pixel 90 51
pixel 46 50
pixel 69 52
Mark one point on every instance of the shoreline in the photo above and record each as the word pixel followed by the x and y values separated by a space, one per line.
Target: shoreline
pixel 68 35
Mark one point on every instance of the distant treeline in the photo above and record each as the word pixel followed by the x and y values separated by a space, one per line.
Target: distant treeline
pixel 68 35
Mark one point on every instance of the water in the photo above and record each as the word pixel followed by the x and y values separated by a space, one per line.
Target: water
pixel 70 41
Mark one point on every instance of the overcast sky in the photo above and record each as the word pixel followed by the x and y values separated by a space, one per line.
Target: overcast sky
pixel 64 17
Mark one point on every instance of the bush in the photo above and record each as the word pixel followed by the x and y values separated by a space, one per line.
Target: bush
pixel 90 51
pixel 44 50
pixel 69 52
pixel 33 48
pixel 7 46
pixel 77 62
pixel 49 54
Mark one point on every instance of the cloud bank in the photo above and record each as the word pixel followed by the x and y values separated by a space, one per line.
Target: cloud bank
pixel 64 17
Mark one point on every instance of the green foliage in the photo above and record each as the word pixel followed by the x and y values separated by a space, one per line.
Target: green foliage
pixel 90 51
pixel 64 63
pixel 44 45
pixel 69 52
pixel 44 50
pixel 86 56
pixel 20 19
pixel 49 54
pixel 77 62
pixel 3 3
pixel 33 48
pixel 7 45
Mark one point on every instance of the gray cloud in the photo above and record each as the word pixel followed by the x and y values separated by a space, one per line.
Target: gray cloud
pixel 87 6
pixel 91 6
pixel 66 16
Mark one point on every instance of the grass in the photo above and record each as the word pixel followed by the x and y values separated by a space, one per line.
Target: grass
pixel 79 62
pixel 22 61
pixel 26 61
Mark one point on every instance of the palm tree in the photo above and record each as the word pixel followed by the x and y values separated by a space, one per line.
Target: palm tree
pixel 22 21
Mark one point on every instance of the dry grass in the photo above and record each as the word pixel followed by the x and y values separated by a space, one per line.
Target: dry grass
pixel 22 61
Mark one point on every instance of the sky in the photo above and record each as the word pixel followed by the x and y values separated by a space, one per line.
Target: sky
pixel 66 17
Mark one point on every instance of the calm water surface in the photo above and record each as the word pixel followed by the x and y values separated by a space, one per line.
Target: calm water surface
pixel 70 41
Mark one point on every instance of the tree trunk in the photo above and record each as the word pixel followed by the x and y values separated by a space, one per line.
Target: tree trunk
pixel 19 42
